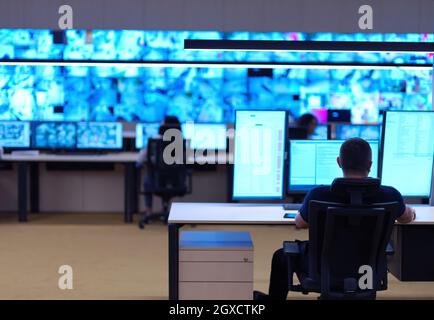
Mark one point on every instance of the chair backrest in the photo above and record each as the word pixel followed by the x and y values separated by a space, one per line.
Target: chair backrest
pixel 343 237
pixel 297 133
pixel 167 167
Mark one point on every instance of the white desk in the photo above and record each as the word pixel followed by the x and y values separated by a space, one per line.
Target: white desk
pixel 251 214
pixel 26 161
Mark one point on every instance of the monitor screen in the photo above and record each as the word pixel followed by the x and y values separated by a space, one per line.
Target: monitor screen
pixel 367 132
pixel 320 133
pixel 14 134
pixel 407 152
pixel 259 154
pixel 145 131
pixel 313 163
pixel 205 136
pixel 54 135
pixel 99 135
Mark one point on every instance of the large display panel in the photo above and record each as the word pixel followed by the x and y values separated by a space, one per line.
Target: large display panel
pixel 14 134
pixel 54 135
pixel 144 132
pixel 122 92
pixel 407 152
pixel 313 163
pixel 367 132
pixel 259 154
pixel 205 136
pixel 99 135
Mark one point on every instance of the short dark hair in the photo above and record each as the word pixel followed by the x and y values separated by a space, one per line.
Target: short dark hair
pixel 170 122
pixel 306 119
pixel 355 155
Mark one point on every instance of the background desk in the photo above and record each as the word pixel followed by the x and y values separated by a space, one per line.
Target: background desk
pixel 272 214
pixel 101 192
pixel 128 159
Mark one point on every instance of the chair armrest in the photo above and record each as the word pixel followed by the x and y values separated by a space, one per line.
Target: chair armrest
pixel 389 249
pixel 291 248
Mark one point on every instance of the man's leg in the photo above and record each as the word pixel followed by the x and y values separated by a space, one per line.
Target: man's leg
pixel 279 276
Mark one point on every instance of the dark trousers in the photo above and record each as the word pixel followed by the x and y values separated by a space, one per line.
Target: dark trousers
pixel 148 190
pixel 279 270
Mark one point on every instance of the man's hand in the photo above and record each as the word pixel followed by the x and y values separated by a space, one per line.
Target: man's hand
pixel 408 216
pixel 300 223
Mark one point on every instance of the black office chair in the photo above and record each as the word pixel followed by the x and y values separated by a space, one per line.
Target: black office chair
pixel 297 133
pixel 342 238
pixel 168 180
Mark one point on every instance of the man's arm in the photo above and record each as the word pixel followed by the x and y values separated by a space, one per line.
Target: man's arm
pixel 300 223
pixel 408 216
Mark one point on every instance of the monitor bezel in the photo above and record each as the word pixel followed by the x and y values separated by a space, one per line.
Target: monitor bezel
pixel 100 149
pixel 29 136
pixel 381 154
pixel 32 134
pixel 305 191
pixel 285 145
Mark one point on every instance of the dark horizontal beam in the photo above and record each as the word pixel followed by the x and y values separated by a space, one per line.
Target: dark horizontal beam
pixel 327 46
pixel 210 64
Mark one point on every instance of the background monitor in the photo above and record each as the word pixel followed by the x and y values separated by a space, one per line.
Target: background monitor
pixel 14 134
pixel 145 131
pixel 367 132
pixel 339 115
pixel 54 135
pixel 313 163
pixel 321 132
pixel 99 135
pixel 205 136
pixel 407 152
pixel 259 154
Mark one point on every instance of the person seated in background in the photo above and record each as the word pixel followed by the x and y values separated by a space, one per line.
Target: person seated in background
pixel 170 122
pixel 355 160
pixel 309 122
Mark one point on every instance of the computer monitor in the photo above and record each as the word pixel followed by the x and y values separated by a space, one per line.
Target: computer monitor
pixel 259 154
pixel 144 132
pixel 321 132
pixel 313 163
pixel 205 136
pixel 407 150
pixel 339 115
pixel 54 135
pixel 99 135
pixel 14 134
pixel 367 132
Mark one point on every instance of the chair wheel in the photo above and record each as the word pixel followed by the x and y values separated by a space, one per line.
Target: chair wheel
pixel 141 225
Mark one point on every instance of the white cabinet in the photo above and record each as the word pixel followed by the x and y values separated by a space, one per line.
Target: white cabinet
pixel 215 265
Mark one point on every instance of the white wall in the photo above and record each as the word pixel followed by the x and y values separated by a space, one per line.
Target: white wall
pixel 398 16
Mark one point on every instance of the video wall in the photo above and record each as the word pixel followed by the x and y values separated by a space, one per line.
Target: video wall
pixel 128 93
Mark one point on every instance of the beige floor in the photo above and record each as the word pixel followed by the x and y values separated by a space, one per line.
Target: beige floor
pixel 112 260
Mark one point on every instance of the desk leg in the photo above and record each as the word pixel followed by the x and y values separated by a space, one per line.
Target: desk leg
pixel 22 191
pixel 128 187
pixel 174 261
pixel 34 187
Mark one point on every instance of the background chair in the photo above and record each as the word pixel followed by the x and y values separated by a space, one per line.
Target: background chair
pixel 342 238
pixel 168 180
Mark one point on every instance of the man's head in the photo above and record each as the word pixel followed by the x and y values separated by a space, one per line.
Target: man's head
pixel 355 158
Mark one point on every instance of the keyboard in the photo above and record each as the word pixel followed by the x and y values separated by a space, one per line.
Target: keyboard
pixel 292 206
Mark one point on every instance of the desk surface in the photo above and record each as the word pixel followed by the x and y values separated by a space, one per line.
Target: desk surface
pixel 236 213
pixel 108 157
pixel 227 213
pixel 44 157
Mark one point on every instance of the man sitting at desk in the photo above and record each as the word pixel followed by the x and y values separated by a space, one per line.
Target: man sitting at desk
pixel 355 160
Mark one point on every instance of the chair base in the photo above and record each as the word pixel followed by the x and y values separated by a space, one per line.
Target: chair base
pixel 161 216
